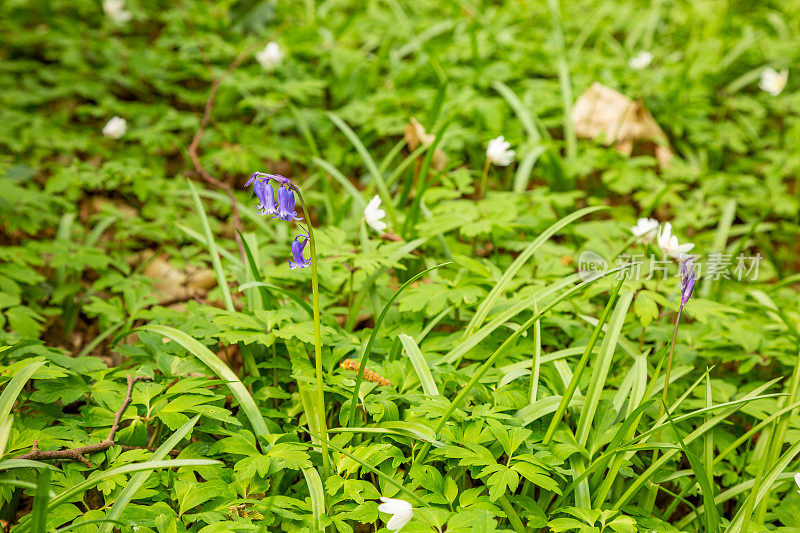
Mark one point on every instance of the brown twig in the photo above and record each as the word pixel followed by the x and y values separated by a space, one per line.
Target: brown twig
pixel 77 454
pixel 237 222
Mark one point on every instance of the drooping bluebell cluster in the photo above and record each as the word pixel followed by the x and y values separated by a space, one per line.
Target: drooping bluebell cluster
pixel 284 210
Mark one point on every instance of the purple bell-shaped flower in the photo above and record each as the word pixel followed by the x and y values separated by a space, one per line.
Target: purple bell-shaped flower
pixel 298 246
pixel 286 209
pixel 266 195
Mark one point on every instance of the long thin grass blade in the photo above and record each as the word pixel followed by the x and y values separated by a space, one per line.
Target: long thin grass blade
pixel 212 249
pixel 138 479
pixel 573 384
pixel 420 365
pixel 14 387
pixel 213 362
pixel 317 494
pixel 370 164
pixel 373 334
pixel 41 502
pixel 488 302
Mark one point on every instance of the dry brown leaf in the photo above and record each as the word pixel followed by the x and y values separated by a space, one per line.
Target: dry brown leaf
pixel 605 114
pixel 175 285
pixel 415 134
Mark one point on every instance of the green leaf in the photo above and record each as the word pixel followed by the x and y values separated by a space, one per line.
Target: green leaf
pixel 645 308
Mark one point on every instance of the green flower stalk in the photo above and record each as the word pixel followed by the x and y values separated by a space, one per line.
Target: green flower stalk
pixel 285 210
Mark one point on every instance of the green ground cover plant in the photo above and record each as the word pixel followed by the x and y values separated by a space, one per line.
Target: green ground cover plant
pixel 368 266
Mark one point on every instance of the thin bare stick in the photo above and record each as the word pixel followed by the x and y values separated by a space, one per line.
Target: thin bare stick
pixel 212 95
pixel 78 454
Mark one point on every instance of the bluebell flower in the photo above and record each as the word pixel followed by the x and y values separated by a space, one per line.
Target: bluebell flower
pixel 266 195
pixel 687 279
pixel 297 252
pixel 286 209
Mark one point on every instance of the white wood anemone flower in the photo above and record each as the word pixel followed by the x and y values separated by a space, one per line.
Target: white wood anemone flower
pixel 271 56
pixel 640 60
pixel 773 81
pixel 115 128
pixel 374 215
pixel 498 153
pixel 669 243
pixel 116 11
pixel 645 229
pixel 401 512
pixel 797 481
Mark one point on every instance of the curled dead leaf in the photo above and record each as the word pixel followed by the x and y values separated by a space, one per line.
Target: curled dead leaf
pixel 605 114
pixel 415 135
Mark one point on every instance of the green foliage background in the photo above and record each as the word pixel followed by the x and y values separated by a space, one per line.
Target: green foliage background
pixel 82 215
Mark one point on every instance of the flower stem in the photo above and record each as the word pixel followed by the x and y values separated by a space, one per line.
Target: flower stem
pixel 317 336
pixel 484 178
pixel 653 490
pixel 537 356
pixel 669 362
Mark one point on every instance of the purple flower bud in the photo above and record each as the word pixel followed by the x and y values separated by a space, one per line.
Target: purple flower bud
pixel 266 196
pixel 252 179
pixel 286 209
pixel 297 252
pixel 687 279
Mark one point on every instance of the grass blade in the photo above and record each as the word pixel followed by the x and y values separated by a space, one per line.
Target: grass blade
pixel 579 368
pixel 601 367
pixel 14 387
pixel 563 78
pixel 212 249
pixel 523 175
pixel 317 494
pixel 255 299
pixel 343 181
pixel 41 502
pixel 595 389
pixel 370 164
pixel 373 334
pixel 487 304
pixel 138 479
pixel 220 369
pixel 711 514
pixel 420 365
pixel 8 464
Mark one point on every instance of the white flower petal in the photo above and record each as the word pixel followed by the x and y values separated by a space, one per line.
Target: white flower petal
pixel 498 152
pixel 797 480
pixel 378 225
pixel 645 229
pixel 400 519
pixel 401 512
pixel 640 60
pixel 773 81
pixel 664 236
pixel 115 128
pixel 115 10
pixel 271 56
pixel 374 215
